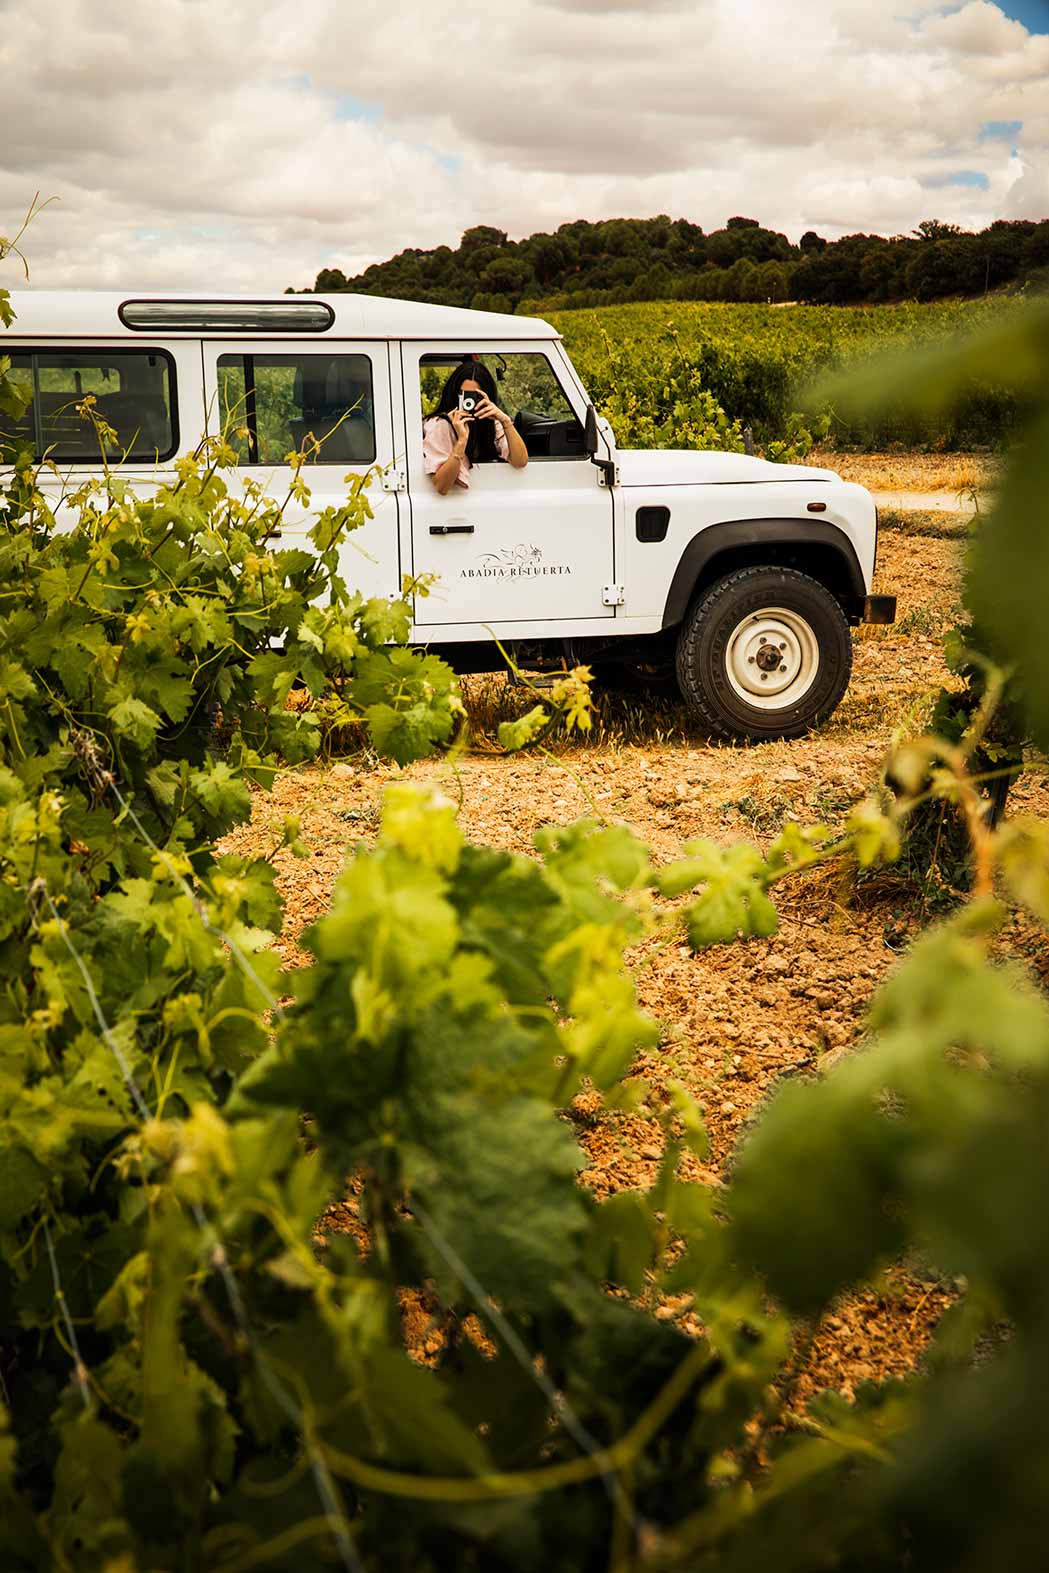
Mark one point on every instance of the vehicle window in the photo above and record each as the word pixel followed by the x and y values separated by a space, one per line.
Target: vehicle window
pixel 273 405
pixel 527 389
pixel 133 394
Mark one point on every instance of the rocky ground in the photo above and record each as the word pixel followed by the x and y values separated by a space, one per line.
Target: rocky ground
pixel 735 1020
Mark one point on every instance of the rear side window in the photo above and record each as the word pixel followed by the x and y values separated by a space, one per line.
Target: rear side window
pixel 273 405
pixel 133 394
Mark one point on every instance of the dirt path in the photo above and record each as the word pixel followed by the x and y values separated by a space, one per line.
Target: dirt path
pixel 738 1019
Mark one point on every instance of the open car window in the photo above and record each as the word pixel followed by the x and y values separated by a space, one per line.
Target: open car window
pixel 527 389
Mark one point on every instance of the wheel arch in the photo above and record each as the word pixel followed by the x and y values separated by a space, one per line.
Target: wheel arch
pixel 818 549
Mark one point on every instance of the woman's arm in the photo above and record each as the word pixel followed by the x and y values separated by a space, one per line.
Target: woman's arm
pixel 447 473
pixel 517 452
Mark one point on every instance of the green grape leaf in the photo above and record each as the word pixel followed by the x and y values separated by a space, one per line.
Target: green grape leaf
pixel 814 1193
pixel 422 824
pixel 23 1180
pixel 481 1164
pixel 86 1516
pixel 734 903
pixel 693 1129
pixel 875 835
pixel 222 792
pixel 134 720
pixel 621 1244
pixel 409 1416
pixel 1022 851
pixel 515 735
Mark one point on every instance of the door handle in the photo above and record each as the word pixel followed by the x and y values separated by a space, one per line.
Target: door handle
pixel 451 529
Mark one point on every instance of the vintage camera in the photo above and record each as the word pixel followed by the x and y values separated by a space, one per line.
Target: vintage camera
pixel 469 402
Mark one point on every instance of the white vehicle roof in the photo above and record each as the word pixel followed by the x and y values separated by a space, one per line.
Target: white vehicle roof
pixel 73 314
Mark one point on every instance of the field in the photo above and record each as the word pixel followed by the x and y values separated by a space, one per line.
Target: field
pixel 757 362
pixel 738 1020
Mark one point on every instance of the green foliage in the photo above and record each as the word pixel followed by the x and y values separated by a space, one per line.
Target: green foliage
pixel 618 260
pixel 122 638
pixel 687 375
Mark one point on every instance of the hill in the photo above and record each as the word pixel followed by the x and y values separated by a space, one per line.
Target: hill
pixel 621 260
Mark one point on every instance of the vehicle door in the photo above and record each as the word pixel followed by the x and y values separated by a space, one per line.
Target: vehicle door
pixel 149 396
pixel 519 547
pixel 333 404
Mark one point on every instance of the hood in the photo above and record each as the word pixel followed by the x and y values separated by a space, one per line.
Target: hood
pixel 686 467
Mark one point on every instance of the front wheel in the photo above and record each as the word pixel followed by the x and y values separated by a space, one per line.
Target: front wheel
pixel 764 653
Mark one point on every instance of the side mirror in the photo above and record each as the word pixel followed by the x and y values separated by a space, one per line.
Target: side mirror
pixel 608 467
pixel 590 431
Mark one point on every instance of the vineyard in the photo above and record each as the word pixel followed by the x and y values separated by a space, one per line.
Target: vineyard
pixel 659 370
pixel 472 1131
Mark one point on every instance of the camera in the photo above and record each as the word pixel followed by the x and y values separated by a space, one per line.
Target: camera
pixel 469 402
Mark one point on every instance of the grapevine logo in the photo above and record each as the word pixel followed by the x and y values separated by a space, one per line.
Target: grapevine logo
pixel 523 561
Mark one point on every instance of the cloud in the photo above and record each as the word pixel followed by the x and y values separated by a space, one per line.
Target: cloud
pixel 1028 196
pixel 248 144
pixel 977 28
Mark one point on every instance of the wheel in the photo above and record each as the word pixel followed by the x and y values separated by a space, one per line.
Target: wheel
pixel 763 653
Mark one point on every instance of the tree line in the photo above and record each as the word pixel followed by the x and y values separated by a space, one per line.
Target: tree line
pixel 620 260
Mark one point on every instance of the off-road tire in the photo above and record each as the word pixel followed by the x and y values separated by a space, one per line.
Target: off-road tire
pixel 726 621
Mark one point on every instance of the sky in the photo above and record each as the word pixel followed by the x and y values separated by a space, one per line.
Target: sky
pixel 245 144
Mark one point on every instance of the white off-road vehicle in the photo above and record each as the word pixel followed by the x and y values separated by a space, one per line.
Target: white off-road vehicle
pixel 734 578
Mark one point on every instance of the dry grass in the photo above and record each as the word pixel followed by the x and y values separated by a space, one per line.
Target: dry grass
pixel 934 524
pixel 960 473
pixel 619 720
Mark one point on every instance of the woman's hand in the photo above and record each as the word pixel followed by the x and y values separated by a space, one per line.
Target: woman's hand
pixel 487 411
pixel 461 423
pixel 516 450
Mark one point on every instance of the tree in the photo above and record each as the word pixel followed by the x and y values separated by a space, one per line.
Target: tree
pixel 506 276
pixel 934 229
pixel 482 235
pixel 330 281
pixel 597 262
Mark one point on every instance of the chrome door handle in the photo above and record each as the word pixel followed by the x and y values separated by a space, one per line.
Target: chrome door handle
pixel 451 529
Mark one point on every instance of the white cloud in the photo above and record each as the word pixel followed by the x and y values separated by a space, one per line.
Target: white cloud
pixel 197 145
pixel 1028 196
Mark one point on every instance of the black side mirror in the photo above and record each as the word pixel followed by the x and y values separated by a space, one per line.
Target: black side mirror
pixel 590 430
pixel 607 467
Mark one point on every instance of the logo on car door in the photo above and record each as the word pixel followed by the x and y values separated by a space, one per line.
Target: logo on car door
pixel 523 561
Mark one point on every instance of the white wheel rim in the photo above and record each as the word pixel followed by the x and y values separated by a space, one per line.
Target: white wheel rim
pixel 772 658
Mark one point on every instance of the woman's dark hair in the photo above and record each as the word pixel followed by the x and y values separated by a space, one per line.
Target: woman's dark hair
pixel 480 444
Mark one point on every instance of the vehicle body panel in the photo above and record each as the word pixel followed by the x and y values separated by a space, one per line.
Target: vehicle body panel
pixel 689 467
pixel 648 567
pixel 73 314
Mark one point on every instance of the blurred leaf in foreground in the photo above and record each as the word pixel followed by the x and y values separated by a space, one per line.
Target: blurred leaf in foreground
pixel 1007 575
